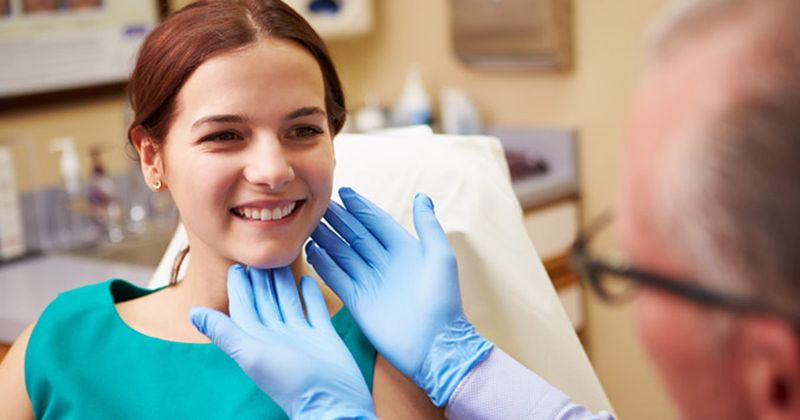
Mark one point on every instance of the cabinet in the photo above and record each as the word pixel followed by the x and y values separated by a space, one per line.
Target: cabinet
pixel 512 34
pixel 551 202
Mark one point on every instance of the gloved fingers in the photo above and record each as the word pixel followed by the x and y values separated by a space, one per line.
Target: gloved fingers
pixel 241 303
pixel 288 300
pixel 359 238
pixel 345 257
pixel 330 272
pixel 222 330
pixel 266 298
pixel 316 308
pixel 388 232
pixel 429 230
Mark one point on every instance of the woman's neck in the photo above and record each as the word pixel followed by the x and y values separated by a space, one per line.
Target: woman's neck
pixel 205 283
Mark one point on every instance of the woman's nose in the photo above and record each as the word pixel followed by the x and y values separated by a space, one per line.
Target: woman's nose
pixel 269 166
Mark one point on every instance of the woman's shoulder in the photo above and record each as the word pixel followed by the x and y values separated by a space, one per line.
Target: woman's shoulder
pixel 14 401
pixel 77 314
pixel 92 291
pixel 80 301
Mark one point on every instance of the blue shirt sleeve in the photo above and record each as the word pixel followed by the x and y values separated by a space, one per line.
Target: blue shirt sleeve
pixel 502 388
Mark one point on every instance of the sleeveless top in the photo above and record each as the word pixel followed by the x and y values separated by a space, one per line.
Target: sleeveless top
pixel 84 362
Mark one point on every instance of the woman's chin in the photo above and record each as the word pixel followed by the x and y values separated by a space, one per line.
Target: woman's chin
pixel 270 260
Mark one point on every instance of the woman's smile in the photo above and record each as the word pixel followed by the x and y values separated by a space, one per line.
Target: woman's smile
pixel 268 213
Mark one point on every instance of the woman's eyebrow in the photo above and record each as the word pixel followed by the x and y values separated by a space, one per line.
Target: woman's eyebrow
pixel 304 112
pixel 219 119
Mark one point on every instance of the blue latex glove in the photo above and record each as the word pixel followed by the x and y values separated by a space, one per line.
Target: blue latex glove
pixel 302 364
pixel 403 292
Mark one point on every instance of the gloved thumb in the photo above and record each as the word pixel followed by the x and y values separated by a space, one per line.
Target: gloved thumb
pixel 219 328
pixel 428 229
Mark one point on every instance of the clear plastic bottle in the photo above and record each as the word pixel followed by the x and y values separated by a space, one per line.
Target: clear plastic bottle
pixel 414 105
pixel 72 226
pixel 371 116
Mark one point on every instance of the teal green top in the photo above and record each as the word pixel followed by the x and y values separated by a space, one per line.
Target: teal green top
pixel 84 362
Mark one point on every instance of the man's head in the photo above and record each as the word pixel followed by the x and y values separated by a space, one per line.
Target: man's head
pixel 711 192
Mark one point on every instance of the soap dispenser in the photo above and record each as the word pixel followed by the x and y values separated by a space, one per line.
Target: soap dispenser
pixel 70 225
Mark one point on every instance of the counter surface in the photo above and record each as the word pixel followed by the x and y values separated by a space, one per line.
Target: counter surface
pixel 27 286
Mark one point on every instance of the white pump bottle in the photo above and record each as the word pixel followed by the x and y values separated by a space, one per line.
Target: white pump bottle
pixel 414 105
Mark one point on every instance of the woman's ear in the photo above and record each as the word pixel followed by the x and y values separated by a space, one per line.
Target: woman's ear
pixel 150 158
pixel 771 367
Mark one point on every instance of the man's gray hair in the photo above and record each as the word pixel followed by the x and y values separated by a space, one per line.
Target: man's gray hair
pixel 731 205
pixel 683 19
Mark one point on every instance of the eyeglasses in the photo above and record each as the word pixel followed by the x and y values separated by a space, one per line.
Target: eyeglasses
pixel 615 281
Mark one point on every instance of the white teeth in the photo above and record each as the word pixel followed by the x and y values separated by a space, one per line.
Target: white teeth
pixel 265 214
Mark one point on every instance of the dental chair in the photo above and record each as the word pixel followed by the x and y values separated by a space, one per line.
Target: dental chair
pixel 505 290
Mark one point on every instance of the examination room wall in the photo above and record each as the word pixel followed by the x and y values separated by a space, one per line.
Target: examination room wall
pixel 592 97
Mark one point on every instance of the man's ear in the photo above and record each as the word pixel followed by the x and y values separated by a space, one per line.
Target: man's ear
pixel 150 157
pixel 770 361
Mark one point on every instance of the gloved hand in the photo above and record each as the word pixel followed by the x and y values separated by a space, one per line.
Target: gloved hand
pixel 403 292
pixel 302 364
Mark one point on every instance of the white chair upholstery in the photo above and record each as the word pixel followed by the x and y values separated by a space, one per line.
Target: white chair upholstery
pixel 506 292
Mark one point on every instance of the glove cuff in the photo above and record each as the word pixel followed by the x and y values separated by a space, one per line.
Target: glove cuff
pixel 338 415
pixel 339 412
pixel 454 352
pixel 334 403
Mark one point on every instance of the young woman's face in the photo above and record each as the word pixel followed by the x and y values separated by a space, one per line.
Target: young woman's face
pixel 248 157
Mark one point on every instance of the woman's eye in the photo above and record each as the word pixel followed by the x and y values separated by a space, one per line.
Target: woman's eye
pixel 305 131
pixel 222 136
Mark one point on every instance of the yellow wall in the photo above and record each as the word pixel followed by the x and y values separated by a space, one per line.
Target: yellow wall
pixel 593 98
pixel 92 122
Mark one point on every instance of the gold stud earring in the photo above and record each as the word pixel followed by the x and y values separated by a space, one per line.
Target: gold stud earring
pixel 157 184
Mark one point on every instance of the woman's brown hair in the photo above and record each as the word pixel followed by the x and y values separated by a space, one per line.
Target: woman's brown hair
pixel 202 30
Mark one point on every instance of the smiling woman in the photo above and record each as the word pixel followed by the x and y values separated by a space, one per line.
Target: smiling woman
pixel 236 104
